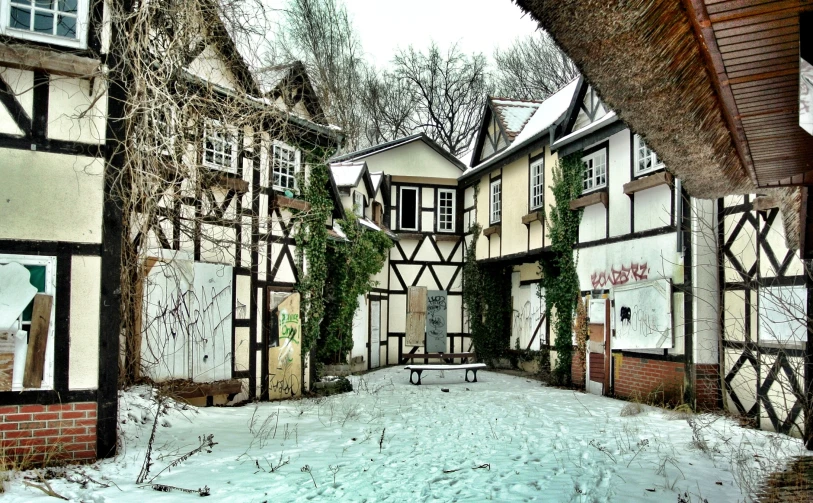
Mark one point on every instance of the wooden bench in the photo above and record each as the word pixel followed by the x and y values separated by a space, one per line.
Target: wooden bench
pixel 447 357
pixel 468 367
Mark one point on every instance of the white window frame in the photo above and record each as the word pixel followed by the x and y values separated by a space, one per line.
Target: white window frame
pixel 21 346
pixel 80 42
pixel 358 203
pixel 590 182
pixel 213 129
pixel 495 202
pixel 275 145
pixel 537 184
pixel 440 223
pixel 655 162
pixel 417 209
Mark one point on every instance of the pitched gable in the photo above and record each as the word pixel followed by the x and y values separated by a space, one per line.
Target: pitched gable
pixel 591 109
pixel 290 88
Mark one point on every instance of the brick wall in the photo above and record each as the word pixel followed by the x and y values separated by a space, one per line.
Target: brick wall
pixel 707 386
pixel 38 433
pixel 648 380
pixel 577 370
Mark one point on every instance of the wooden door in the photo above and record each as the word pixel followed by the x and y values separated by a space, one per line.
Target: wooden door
pixel 598 377
pixel 416 316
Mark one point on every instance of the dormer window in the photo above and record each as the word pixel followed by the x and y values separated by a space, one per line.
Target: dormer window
pixel 595 170
pixel 61 22
pixel 646 160
pixel 219 148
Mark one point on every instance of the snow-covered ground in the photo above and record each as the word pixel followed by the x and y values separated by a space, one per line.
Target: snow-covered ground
pixel 503 438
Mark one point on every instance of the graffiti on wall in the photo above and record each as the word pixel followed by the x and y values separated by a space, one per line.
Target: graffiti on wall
pixel 285 360
pixel 436 321
pixel 620 276
pixel 525 321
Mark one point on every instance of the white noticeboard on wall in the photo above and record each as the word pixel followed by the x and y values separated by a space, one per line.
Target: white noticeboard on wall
pixel 643 315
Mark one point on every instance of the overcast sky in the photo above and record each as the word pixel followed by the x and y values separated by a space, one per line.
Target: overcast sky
pixel 385 26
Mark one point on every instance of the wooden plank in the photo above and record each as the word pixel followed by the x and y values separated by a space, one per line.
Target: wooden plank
pixel 494 229
pixel 236 184
pixel 60 63
pixel 37 341
pixel 589 200
pixel 534 216
pixel 647 182
pixel 447 237
pixel 289 202
pixel 416 316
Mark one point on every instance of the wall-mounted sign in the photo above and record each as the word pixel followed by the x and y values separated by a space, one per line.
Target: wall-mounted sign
pixel 643 315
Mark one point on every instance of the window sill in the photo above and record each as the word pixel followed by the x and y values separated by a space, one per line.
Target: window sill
pixel 409 235
pixel 534 216
pixel 447 237
pixel 230 181
pixel 648 182
pixel 291 203
pixel 652 171
pixel 494 229
pixel 29 58
pixel 591 199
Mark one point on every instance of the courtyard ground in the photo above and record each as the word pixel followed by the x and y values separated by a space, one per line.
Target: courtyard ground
pixel 504 438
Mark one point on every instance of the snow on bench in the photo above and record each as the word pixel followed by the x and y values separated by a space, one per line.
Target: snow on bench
pixel 468 367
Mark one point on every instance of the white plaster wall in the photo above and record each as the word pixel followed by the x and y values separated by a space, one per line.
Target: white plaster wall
pixel 657 252
pixel 619 174
pixel 515 187
pixel 527 310
pixel 210 66
pixel 594 223
pixel 705 281
pixel 84 325
pixel 77 111
pixel 653 208
pixel 64 192
pixel 21 84
pixel 415 159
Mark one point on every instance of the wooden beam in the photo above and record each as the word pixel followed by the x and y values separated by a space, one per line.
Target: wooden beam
pixel 647 182
pixel 204 389
pixel 59 63
pixel 494 229
pixel 236 184
pixel 289 202
pixel 38 341
pixel 409 235
pixel 534 216
pixel 447 237
pixel 589 200
pixel 764 203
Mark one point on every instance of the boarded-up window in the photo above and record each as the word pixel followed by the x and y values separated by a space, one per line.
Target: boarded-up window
pixel 416 316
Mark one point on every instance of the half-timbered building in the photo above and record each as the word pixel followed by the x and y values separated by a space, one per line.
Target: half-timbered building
pixel 423 211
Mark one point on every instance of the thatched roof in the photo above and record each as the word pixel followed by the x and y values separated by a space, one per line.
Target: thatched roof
pixel 645 62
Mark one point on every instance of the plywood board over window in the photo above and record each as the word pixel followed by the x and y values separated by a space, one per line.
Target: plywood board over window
pixel 416 316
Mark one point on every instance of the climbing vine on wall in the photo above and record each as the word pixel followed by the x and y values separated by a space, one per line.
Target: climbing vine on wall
pixel 559 278
pixel 311 247
pixel 486 297
pixel 350 265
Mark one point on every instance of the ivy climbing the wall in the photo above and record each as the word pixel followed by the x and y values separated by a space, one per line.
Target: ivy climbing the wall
pixel 350 265
pixel 559 278
pixel 486 297
pixel 311 247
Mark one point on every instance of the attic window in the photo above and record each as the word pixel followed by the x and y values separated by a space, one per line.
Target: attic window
pixel 595 170
pixel 220 148
pixel 285 166
pixel 646 159
pixel 62 22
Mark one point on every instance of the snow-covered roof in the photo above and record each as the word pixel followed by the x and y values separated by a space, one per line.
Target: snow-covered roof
pixel 546 114
pixel 347 174
pixel 608 118
pixel 269 77
pixel 514 114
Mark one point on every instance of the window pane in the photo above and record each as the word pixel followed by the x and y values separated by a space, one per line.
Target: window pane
pixel 68 5
pixel 44 4
pixel 409 209
pixel 43 22
pixel 20 18
pixel 66 27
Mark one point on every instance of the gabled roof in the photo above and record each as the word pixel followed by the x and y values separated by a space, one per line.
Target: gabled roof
pixel 366 152
pixel 277 81
pixel 349 174
pixel 547 114
pixel 513 114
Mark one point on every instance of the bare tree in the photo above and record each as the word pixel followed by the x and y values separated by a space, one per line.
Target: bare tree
pixel 320 34
pixel 390 106
pixel 532 68
pixel 450 91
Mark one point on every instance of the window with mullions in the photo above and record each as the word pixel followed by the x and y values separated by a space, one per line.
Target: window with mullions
pixel 61 22
pixel 595 170
pixel 537 183
pixel 646 159
pixel 446 210
pixel 358 203
pixel 284 166
pixel 495 215
pixel 220 148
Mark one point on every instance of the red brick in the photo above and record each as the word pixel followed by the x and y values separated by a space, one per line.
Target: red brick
pixel 60 406
pixel 62 440
pixel 48 432
pixel 24 442
pixel 74 431
pixel 46 416
pixel 73 415
pixel 61 424
pixel 33 425
pixel 17 417
pixel 84 406
pixel 76 447
pixel 91 413
pixel 91 454
pixel 85 438
pixel 32 408
pixel 8 426
pixel 85 422
pixel 17 434
pixel 9 409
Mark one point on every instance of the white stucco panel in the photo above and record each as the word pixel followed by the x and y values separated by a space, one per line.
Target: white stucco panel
pixel 77 109
pixel 84 328
pixel 64 192
pixel 21 84
pixel 605 266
